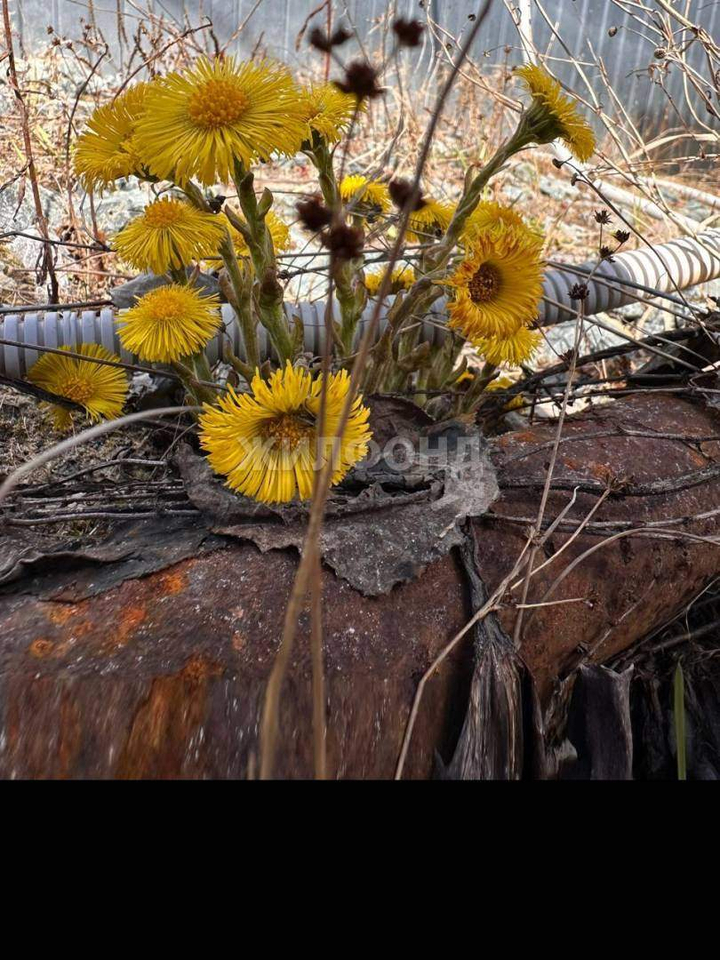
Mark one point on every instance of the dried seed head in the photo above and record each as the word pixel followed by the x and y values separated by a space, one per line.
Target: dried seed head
pixel 340 36
pixel 344 242
pixel 360 79
pixel 607 254
pixel 622 236
pixel 579 291
pixel 320 40
pixel 400 192
pixel 602 216
pixel 313 214
pixel 408 32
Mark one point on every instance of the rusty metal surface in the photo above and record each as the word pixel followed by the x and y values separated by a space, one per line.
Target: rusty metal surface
pixel 161 674
pixel 633 584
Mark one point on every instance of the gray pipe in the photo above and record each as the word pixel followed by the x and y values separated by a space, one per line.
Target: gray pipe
pixel 666 267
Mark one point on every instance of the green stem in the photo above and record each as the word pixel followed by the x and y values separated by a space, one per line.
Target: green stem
pixel 240 297
pixel 350 291
pixel 240 293
pixel 269 298
pixel 477 388
pixel 424 291
pixel 423 378
pixel 440 255
pixel 198 393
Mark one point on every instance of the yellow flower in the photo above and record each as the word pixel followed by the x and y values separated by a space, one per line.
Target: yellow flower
pixel 488 214
pixel 402 279
pixel 498 285
pixel 265 443
pixel 198 123
pixel 369 195
pixel 511 350
pixel 99 388
pixel 107 150
pixel 168 323
pixel 554 116
pixel 504 383
pixel 429 222
pixel 279 233
pixel 327 110
pixel 170 233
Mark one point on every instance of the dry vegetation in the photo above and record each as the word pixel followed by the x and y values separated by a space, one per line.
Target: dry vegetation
pixel 61 85
pixel 63 82
pixel 667 178
pixel 657 187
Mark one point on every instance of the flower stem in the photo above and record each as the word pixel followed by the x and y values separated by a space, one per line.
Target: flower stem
pixel 476 389
pixel 255 233
pixel 351 292
pixel 191 375
pixel 424 291
pixel 239 294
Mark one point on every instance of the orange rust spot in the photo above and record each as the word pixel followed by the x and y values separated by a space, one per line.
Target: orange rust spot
pixel 600 470
pixel 171 582
pixel 524 437
pixel 40 648
pixel 131 619
pixel 238 641
pixel 698 459
pixel 198 669
pixel 61 613
pixel 166 723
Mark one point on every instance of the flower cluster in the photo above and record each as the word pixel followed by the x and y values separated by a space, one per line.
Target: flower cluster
pixel 192 134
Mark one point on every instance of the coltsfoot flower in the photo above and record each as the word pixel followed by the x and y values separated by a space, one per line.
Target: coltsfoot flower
pixel 98 387
pixel 197 123
pixel 511 351
pixel 170 233
pixel 168 323
pixel 488 214
pixel 402 279
pixel 498 285
pixel 370 196
pixel 327 111
pixel 553 116
pixel 429 222
pixel 504 383
pixel 265 443
pixel 107 149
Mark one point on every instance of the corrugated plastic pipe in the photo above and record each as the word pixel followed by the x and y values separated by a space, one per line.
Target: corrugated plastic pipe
pixel 665 267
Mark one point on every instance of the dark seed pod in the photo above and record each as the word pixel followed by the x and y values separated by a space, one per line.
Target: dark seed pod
pixel 360 79
pixel 408 32
pixel 400 191
pixel 313 214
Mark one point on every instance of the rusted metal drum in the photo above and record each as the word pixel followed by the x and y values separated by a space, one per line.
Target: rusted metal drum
pixel 139 669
